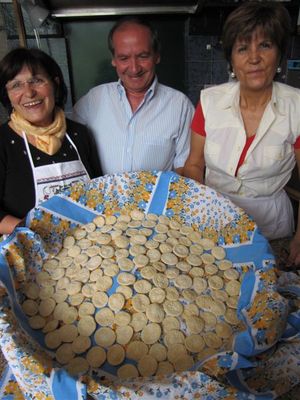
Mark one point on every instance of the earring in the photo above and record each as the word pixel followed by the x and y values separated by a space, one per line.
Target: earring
pixel 232 74
pixel 278 70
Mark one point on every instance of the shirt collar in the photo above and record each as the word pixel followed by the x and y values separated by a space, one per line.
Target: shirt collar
pixel 148 95
pixel 231 99
pixel 275 103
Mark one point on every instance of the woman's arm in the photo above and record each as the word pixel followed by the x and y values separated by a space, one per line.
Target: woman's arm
pixel 295 243
pixel 195 163
pixel 8 224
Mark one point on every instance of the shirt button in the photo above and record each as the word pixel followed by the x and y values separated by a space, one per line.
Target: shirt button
pixel 65 155
pixel 12 142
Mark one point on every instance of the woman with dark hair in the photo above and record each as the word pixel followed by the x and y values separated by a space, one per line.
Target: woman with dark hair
pixel 40 150
pixel 246 133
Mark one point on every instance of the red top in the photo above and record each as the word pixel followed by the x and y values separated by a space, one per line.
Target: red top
pixel 198 126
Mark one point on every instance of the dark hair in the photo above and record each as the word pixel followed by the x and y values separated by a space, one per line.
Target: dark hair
pixel 138 21
pixel 35 60
pixel 273 18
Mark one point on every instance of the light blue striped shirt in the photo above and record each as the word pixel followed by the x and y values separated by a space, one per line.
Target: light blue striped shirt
pixel 155 136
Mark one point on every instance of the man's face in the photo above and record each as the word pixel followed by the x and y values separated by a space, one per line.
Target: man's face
pixel 134 58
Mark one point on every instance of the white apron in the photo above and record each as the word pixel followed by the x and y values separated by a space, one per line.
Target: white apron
pixel 49 179
pixel 273 214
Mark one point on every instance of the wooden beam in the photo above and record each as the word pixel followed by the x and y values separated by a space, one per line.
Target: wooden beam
pixel 20 23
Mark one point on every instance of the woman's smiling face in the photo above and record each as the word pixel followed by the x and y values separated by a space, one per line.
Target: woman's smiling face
pixel 32 96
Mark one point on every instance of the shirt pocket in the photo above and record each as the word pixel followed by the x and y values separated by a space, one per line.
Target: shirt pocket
pixel 211 152
pixel 152 154
pixel 276 154
pixel 276 160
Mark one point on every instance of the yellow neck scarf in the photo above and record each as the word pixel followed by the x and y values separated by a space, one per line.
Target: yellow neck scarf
pixel 47 139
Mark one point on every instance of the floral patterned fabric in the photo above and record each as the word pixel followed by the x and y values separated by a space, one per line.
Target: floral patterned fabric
pixel 264 362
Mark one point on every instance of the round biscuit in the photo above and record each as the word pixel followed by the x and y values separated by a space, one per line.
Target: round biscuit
pixel 158 351
pixel 233 288
pixel 140 302
pixel 78 365
pixel 85 309
pixel 173 337
pixel 212 340
pixel 31 290
pixel 137 249
pixel 105 336
pixel 96 356
pixel 115 354
pixel 138 321
pixel 184 364
pixel 164 368
pixel 69 315
pixel 218 252
pixel 147 366
pixel 68 333
pixel 194 324
pixel 64 353
pixel 99 299
pixel 53 339
pixel 160 280
pixel 30 307
pixel 116 302
pixel 153 255
pixel 80 344
pixel 122 318
pixel 37 322
pixel 173 308
pixel 124 334
pixel 151 333
pixel 215 282
pixel 127 371
pixel 125 278
pixel 194 343
pixel 183 281
pixel 142 286
pixel 172 293
pixel 223 330
pixel 126 291
pixel 170 323
pixel 76 299
pixel 155 312
pixel 104 317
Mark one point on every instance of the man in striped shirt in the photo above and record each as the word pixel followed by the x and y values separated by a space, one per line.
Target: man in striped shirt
pixel 138 123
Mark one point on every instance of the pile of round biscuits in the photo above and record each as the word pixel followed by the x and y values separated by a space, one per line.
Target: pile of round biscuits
pixel 140 292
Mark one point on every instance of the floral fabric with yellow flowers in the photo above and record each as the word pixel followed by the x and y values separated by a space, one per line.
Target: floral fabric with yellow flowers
pixel 262 360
